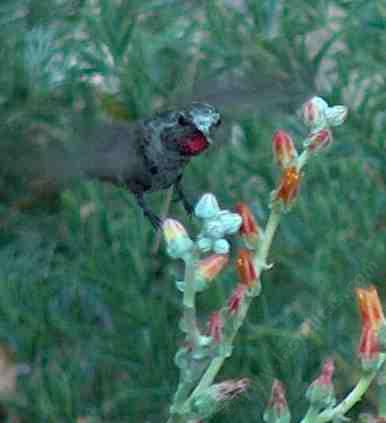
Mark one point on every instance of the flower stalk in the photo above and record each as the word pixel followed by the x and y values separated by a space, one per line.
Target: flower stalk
pixel 201 360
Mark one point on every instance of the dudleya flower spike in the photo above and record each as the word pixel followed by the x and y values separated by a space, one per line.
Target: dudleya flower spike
pixel 198 397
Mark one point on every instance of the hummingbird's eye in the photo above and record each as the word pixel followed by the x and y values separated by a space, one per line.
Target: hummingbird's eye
pixel 183 121
pixel 218 123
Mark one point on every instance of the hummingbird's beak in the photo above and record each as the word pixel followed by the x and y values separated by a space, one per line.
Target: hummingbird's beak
pixel 205 122
pixel 204 128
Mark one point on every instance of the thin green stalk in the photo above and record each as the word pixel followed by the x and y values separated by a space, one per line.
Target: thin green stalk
pixel 189 301
pixel 260 260
pixel 352 398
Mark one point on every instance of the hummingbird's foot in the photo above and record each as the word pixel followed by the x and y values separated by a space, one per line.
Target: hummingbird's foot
pixel 155 221
pixel 188 206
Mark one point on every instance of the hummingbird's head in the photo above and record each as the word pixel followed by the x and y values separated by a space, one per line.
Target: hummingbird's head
pixel 190 129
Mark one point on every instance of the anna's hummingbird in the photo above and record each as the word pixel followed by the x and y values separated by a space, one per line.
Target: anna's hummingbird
pixel 150 155
pixel 145 156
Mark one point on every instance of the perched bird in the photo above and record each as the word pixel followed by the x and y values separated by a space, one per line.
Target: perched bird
pixel 145 156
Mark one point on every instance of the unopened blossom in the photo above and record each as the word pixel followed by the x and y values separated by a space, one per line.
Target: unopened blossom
pixel 215 397
pixel 207 207
pixel 209 267
pixel 373 320
pixel 249 229
pixel 314 113
pixel 236 298
pixel 230 221
pixel 288 186
pixel 246 268
pixel 277 408
pixel 336 115
pixel 177 239
pixel 368 349
pixel 283 147
pixel 370 307
pixel 319 140
pixel 221 246
pixel 321 391
pixel 215 326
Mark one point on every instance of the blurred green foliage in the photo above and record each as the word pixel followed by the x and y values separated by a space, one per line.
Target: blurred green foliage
pixel 84 304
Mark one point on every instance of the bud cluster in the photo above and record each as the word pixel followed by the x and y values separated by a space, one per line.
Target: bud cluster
pixel 319 117
pixel 216 225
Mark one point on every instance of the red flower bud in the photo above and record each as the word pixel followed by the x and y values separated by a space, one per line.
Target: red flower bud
pixel 215 326
pixel 319 140
pixel 283 148
pixel 246 268
pixel 321 391
pixel 288 186
pixel 372 317
pixel 368 349
pixel 314 113
pixel 277 407
pixel 236 298
pixel 370 307
pixel 249 230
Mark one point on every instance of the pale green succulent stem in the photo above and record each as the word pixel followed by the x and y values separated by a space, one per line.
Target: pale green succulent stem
pixel 352 398
pixel 189 302
pixel 260 260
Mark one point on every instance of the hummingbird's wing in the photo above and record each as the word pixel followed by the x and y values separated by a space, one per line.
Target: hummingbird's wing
pixel 113 152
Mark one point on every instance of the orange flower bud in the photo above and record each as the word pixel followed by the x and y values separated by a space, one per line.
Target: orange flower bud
pixel 211 266
pixel 249 229
pixel 368 349
pixel 289 186
pixel 283 148
pixel 246 268
pixel 370 307
pixel 372 317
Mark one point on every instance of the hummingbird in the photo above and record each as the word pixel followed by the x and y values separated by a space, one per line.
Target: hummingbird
pixel 145 156
pixel 150 155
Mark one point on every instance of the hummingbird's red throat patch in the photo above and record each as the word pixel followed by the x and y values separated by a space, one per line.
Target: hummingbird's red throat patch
pixel 194 144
